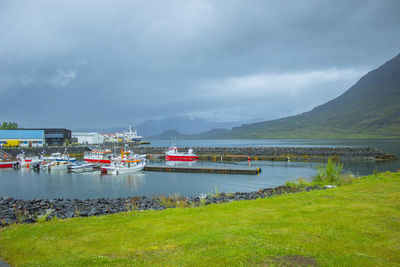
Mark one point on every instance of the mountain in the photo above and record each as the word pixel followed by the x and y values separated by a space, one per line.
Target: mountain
pixel 163 127
pixel 183 125
pixel 369 109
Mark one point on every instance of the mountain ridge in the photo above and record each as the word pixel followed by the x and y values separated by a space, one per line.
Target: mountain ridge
pixel 368 109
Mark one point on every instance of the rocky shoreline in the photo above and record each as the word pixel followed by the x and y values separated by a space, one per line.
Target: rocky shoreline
pixel 30 211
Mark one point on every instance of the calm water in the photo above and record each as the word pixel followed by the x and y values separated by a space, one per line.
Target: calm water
pixel 28 185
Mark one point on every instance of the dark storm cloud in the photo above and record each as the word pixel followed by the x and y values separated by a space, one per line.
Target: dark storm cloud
pixel 103 63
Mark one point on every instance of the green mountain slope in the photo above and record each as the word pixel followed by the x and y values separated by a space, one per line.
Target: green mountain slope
pixel 369 109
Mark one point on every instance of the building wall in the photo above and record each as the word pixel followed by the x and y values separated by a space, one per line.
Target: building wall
pixel 27 138
pixel 88 138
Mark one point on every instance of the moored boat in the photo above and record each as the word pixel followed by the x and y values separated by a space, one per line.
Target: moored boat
pixel 128 166
pixel 85 167
pixel 8 163
pixel 98 156
pixel 59 166
pixel 173 154
pixel 27 161
pixel 58 157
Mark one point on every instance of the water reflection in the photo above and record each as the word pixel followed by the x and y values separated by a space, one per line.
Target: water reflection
pixel 27 184
pixel 180 163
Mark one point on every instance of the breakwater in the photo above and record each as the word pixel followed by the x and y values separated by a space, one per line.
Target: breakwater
pixel 276 153
pixel 197 169
pixel 235 153
pixel 29 211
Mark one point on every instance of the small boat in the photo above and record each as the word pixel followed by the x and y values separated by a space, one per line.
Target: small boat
pixel 128 166
pixel 66 158
pixel 85 167
pixel 58 157
pixel 27 161
pixel 58 166
pixel 9 163
pixel 173 154
pixel 52 157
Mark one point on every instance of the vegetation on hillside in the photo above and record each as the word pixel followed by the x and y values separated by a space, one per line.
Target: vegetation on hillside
pixel 369 109
pixel 351 225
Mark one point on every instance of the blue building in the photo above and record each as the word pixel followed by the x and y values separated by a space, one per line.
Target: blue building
pixel 27 138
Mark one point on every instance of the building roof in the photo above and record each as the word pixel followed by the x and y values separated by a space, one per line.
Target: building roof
pixel 83 134
pixel 21 134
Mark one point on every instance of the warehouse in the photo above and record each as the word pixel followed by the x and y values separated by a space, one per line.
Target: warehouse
pixel 47 136
pixel 87 138
pixel 22 138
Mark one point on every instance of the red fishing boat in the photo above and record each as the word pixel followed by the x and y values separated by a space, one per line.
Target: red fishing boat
pixel 174 155
pixel 98 156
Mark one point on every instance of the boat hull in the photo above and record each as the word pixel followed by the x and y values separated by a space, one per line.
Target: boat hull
pixel 8 164
pixel 82 168
pixel 181 158
pixel 102 161
pixel 118 171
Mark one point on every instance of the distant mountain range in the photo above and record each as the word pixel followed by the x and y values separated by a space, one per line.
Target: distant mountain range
pixel 183 125
pixel 369 109
pixel 169 127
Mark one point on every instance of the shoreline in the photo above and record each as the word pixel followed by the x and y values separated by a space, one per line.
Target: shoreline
pixel 30 211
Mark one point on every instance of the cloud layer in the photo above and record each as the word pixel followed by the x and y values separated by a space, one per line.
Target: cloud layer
pixel 102 63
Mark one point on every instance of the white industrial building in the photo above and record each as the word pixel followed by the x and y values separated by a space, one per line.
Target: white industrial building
pixel 88 138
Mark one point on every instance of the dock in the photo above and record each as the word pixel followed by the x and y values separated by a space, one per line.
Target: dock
pixel 198 169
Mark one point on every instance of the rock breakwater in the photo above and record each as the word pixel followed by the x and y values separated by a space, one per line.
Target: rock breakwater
pixel 29 211
pixel 278 153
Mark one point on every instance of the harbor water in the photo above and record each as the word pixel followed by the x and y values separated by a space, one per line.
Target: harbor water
pixel 27 184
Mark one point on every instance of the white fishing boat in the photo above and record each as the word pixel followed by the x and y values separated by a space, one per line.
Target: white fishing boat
pixel 128 166
pixel 132 135
pixel 85 167
pixel 58 157
pixel 126 163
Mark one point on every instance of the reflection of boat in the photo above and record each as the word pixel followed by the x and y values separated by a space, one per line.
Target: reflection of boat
pixel 85 167
pixel 98 156
pixel 173 154
pixel 180 163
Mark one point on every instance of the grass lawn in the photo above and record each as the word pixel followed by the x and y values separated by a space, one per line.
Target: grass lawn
pixel 352 225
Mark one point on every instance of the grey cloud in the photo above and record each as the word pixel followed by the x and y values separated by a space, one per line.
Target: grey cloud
pixel 128 61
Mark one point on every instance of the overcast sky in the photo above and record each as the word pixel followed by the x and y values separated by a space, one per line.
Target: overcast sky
pixel 113 63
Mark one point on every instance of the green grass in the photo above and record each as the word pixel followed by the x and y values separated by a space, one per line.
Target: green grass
pixel 352 225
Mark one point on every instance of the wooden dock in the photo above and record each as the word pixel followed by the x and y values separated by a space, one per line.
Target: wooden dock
pixel 198 169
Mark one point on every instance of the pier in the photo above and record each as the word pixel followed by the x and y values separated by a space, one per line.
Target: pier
pixel 198 169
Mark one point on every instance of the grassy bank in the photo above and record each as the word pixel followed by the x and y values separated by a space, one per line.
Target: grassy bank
pixel 352 225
